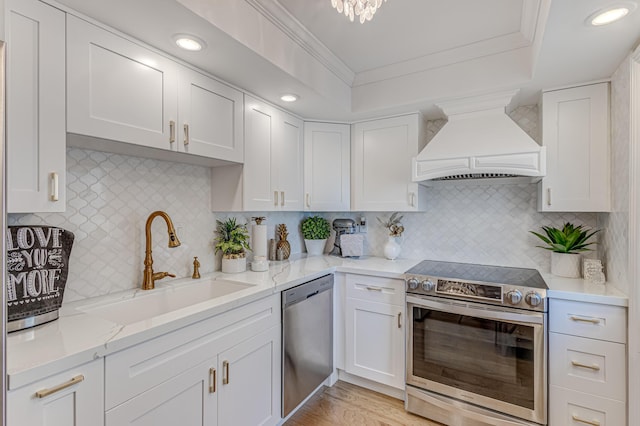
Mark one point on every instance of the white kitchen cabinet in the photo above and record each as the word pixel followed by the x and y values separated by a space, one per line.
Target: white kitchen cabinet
pixel 74 397
pixel 202 374
pixel 250 378
pixel 587 363
pixel 575 130
pixel 327 153
pixel 36 138
pixel 121 91
pixel 374 329
pixel 381 154
pixel 271 178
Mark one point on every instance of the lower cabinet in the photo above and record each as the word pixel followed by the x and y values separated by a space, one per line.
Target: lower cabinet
pixel 374 329
pixel 72 398
pixel 221 371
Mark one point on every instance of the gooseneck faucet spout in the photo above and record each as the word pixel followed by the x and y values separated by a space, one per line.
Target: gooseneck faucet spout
pixel 149 277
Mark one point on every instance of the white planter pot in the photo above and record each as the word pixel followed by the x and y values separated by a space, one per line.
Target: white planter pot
pixel 315 247
pixel 391 248
pixel 233 266
pixel 565 264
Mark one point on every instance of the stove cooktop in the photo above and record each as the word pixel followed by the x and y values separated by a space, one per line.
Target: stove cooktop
pixel 521 277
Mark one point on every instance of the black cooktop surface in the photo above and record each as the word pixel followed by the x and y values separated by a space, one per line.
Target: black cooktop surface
pixel 483 273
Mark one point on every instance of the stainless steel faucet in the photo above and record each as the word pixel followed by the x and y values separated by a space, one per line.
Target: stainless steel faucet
pixel 149 277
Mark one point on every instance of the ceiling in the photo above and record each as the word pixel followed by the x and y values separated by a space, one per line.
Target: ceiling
pixel 411 56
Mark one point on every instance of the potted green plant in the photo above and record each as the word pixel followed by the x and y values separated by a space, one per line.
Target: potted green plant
pixel 315 231
pixel 565 245
pixel 233 241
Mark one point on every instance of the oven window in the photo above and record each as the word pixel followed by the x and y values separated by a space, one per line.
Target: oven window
pixel 485 357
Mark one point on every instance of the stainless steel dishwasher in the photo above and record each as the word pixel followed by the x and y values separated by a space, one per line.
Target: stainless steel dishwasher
pixel 307 339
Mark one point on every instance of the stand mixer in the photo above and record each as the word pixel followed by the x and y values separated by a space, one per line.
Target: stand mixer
pixel 342 226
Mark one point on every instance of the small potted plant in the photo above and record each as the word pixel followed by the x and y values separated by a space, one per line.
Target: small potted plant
pixel 391 247
pixel 233 242
pixel 565 245
pixel 315 231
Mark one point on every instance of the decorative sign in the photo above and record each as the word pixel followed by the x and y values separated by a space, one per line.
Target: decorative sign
pixel 37 269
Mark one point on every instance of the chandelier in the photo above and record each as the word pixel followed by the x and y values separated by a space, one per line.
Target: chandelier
pixel 365 9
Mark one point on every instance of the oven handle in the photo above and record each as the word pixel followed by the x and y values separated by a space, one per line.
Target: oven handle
pixel 477 310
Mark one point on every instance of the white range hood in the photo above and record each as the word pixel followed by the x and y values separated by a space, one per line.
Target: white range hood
pixel 479 141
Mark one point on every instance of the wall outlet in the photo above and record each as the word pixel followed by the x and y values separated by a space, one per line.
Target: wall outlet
pixel 363 225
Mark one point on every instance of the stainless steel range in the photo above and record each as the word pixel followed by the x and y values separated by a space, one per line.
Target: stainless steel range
pixel 476 344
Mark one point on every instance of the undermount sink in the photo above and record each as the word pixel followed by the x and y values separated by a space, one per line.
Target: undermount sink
pixel 162 300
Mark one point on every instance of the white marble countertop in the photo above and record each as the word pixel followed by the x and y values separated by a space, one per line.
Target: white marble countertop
pixel 78 337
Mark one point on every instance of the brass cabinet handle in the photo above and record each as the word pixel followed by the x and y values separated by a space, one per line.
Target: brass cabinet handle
pixel 548 196
pixel 374 288
pixel 186 134
pixel 399 319
pixel 413 199
pixel 54 187
pixel 282 201
pixel 172 131
pixel 594 367
pixel 225 377
pixel 275 198
pixel 590 320
pixel 308 201
pixel 586 422
pixel 46 392
pixel 212 380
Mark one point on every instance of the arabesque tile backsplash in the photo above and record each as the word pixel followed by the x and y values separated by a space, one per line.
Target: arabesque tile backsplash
pixel 110 197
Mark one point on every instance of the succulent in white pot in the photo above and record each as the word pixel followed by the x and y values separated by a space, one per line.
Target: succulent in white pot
pixel 566 245
pixel 233 242
pixel 315 231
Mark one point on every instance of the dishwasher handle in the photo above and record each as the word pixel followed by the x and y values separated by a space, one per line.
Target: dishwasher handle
pixel 307 290
pixel 313 294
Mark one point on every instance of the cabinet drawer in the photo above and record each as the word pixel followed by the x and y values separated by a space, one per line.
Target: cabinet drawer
pixel 588 365
pixel 572 408
pixel 591 320
pixel 376 289
pixel 141 367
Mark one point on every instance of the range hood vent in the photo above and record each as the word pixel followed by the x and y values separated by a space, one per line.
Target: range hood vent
pixel 479 141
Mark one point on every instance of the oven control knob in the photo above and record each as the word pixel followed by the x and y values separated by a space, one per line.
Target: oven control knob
pixel 533 298
pixel 514 297
pixel 428 285
pixel 412 283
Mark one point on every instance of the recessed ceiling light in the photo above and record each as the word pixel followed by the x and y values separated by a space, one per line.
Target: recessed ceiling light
pixel 611 13
pixel 289 97
pixel 189 42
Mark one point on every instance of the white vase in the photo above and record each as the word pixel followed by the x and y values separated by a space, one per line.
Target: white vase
pixel 565 264
pixel 315 247
pixel 233 266
pixel 391 248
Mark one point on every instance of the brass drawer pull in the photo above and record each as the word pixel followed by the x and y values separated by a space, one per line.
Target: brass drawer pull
pixel 590 320
pixel 275 198
pixel 54 194
pixel 399 319
pixel 282 201
pixel 374 289
pixel 594 367
pixel 212 380
pixel 586 422
pixel 225 378
pixel 186 135
pixel 46 392
pixel 172 131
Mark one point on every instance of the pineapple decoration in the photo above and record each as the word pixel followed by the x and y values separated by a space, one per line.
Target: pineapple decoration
pixel 283 244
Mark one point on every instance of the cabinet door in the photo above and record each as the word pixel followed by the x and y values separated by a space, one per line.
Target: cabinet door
pixel 259 188
pixel 211 118
pixel 36 135
pixel 118 90
pixel 327 169
pixel 381 159
pixel 374 340
pixel 288 160
pixel 81 403
pixel 189 398
pixel 575 130
pixel 251 375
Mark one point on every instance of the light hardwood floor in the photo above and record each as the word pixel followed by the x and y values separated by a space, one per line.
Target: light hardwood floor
pixel 347 404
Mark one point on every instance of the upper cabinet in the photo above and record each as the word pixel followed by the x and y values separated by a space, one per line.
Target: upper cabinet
pixel 36 136
pixel 271 177
pixel 575 130
pixel 121 91
pixel 327 154
pixel 381 164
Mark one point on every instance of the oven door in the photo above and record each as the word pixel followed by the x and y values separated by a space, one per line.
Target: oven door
pixel 489 356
